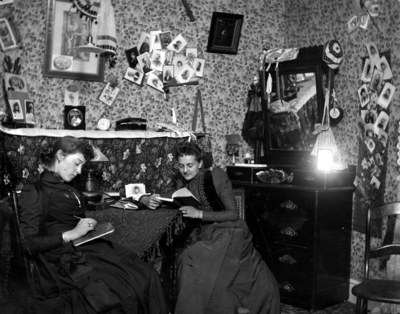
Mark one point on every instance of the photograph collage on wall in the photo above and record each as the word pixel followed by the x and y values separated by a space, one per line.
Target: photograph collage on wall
pixel 375 95
pixel 159 60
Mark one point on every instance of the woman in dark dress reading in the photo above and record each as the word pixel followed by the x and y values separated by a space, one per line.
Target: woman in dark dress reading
pixel 219 270
pixel 96 277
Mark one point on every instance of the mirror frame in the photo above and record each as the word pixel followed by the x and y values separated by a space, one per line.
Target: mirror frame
pixel 309 59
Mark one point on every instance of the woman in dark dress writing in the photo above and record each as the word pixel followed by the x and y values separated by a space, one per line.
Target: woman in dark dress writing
pixel 218 269
pixel 96 277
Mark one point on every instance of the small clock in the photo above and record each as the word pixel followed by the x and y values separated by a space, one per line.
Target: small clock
pixel 104 123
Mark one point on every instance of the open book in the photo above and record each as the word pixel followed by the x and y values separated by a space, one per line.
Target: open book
pixel 100 231
pixel 181 197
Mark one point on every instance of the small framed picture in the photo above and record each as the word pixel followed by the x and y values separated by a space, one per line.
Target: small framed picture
pixel 165 39
pixel 154 82
pixel 15 82
pixel 369 116
pixel 144 63
pixel 8 35
pixel 191 54
pixel 30 112
pixel 177 44
pixel 367 71
pixel 185 74
pixel 363 95
pixel 168 73
pixel 386 95
pixel 384 66
pixel 16 110
pixel 198 66
pixel 178 62
pixel 131 56
pixel 374 10
pixel 383 137
pixel 74 117
pixel 376 80
pixel 369 130
pixel 109 94
pixel 375 183
pixel 134 76
pixel 353 24
pixel 157 60
pixel 157 42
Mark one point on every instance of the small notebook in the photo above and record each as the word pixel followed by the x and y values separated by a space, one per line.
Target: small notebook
pixel 100 231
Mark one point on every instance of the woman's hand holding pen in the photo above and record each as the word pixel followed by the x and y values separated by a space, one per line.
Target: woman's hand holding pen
pixel 84 226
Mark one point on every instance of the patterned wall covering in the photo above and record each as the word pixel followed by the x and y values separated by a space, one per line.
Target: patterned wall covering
pixel 224 85
pixel 309 22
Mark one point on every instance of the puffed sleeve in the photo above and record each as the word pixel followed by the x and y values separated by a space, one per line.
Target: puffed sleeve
pixel 32 217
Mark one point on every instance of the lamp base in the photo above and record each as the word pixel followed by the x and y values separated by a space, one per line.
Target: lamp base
pixel 92 196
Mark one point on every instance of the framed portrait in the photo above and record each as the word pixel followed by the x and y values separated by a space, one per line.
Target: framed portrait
pixel 363 95
pixel 177 44
pixel 376 80
pixel 134 76
pixel 30 112
pixel 65 29
pixel 165 39
pixel 8 35
pixel 131 56
pixel 198 66
pixel 386 95
pixel 15 82
pixel 109 94
pixel 225 33
pixel 16 110
pixel 74 117
pixel 144 62
pixel 155 82
pixel 168 73
pixel 382 122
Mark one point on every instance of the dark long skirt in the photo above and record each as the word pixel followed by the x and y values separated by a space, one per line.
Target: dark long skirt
pixel 220 271
pixel 101 277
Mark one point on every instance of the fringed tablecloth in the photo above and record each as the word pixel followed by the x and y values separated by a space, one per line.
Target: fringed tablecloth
pixel 138 230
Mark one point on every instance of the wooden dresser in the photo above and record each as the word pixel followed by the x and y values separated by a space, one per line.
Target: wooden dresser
pixel 304 235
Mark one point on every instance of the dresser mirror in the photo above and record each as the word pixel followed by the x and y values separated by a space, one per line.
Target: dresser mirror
pixel 293 107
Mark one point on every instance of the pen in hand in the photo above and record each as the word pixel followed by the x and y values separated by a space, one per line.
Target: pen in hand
pixel 79 217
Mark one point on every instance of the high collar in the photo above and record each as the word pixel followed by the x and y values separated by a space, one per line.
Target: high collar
pixel 50 177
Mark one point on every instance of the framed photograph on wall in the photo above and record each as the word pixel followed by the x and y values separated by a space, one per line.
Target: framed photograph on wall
pixel 109 94
pixel 30 112
pixel 225 33
pixel 8 35
pixel 65 30
pixel 134 76
pixel 74 118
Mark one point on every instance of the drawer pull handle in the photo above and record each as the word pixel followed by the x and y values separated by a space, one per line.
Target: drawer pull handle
pixel 286 286
pixel 287 259
pixel 289 232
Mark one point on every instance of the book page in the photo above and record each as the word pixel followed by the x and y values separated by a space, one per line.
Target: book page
pixel 183 192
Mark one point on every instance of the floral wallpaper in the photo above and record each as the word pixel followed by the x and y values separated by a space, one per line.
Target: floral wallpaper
pixel 310 22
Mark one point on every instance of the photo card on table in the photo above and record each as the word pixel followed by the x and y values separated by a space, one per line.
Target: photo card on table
pixel 134 76
pixel 131 56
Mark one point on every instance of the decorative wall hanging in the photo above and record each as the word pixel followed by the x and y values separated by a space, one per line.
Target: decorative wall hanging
pixel 9 37
pixel 225 33
pixel 65 30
